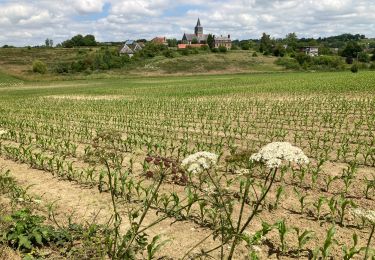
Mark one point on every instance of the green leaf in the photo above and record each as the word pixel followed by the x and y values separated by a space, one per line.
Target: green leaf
pixel 24 242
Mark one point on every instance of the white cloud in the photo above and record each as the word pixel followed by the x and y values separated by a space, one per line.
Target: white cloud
pixel 88 6
pixel 25 22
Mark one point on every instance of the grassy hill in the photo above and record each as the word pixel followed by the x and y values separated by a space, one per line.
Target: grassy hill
pixel 18 62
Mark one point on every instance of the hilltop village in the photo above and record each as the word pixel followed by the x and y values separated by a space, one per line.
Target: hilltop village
pixel 198 39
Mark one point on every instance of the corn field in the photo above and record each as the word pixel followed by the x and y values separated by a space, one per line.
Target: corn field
pixel 128 138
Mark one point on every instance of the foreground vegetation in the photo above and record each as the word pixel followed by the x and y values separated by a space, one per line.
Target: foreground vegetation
pixel 126 139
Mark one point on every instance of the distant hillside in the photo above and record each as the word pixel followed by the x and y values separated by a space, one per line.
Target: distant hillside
pixel 18 62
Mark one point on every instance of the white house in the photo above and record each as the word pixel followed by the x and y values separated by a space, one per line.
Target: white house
pixel 311 50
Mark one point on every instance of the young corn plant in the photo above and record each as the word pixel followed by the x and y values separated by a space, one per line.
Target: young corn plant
pixel 325 249
pixel 281 227
pixel 350 253
pixel 302 200
pixel 303 238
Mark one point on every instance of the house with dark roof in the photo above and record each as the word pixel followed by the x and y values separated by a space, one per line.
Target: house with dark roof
pixel 130 47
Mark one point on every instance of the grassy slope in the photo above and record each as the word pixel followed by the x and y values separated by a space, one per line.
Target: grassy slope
pixel 18 61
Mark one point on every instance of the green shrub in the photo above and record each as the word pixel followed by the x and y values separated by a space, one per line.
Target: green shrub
pixel 223 49
pixel 205 48
pixel 169 54
pixel 288 63
pixel 255 54
pixel 363 57
pixel 215 50
pixel 39 67
pixel 372 66
pixel 62 68
pixel 354 68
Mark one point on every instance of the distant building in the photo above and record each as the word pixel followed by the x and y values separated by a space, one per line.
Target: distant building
pixel 182 46
pixel 130 47
pixel 311 50
pixel 197 37
pixel 223 41
pixel 160 40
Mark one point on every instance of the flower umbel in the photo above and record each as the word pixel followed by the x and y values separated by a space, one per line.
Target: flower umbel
pixel 368 215
pixel 274 154
pixel 198 162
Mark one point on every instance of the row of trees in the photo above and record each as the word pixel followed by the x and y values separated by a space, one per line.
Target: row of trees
pixel 79 41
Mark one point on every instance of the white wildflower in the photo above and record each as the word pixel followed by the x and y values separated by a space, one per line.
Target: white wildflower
pixel 368 215
pixel 20 200
pixel 3 132
pixel 256 248
pixel 37 201
pixel 274 154
pixel 198 162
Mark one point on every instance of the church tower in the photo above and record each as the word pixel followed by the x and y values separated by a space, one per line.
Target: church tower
pixel 199 29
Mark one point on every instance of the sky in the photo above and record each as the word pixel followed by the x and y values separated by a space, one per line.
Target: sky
pixel 30 22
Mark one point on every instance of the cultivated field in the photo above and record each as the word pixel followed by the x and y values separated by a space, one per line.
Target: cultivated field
pixel 109 152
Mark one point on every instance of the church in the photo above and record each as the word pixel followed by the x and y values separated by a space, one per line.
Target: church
pixel 198 37
pixel 195 38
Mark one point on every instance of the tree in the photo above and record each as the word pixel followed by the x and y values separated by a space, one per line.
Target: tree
pixel 172 42
pixel 363 57
pixel 89 40
pixel 352 49
pixel 265 44
pixel 373 55
pixel 291 40
pixel 194 40
pixel 211 41
pixel 77 40
pixel 49 43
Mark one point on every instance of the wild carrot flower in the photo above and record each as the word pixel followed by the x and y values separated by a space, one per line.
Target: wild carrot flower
pixel 198 162
pixel 2 132
pixel 368 215
pixel 274 154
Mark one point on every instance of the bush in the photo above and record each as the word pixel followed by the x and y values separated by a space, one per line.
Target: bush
pixel 372 66
pixel 349 60
pixel 39 67
pixel 215 50
pixel 169 54
pixel 288 63
pixel 255 54
pixel 205 48
pixel 303 58
pixel 62 68
pixel 363 57
pixel 245 46
pixel 354 68
pixel 223 49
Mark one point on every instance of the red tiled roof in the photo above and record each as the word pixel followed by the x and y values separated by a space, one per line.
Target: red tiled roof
pixel 184 46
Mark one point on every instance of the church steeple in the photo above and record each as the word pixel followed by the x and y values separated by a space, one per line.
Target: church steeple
pixel 198 29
